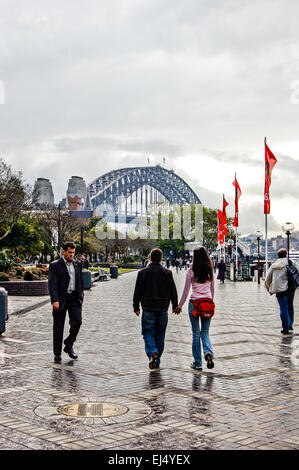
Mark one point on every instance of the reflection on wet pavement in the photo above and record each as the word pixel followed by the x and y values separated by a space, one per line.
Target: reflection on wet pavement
pixel 248 401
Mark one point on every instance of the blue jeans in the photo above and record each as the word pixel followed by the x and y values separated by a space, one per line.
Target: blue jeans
pixel 291 294
pixel 286 308
pixel 199 335
pixel 153 330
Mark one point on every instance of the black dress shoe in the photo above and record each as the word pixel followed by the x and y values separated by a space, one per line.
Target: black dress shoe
pixel 209 359
pixel 70 352
pixel 57 359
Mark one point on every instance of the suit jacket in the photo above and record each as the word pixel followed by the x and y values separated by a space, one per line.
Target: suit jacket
pixel 58 281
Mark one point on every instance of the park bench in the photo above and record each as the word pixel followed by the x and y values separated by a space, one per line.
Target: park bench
pixel 102 275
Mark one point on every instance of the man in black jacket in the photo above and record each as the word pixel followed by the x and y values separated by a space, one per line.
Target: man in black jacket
pixel 154 288
pixel 66 292
pixel 84 261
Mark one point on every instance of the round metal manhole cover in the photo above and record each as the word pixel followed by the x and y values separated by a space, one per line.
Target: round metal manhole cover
pixel 93 410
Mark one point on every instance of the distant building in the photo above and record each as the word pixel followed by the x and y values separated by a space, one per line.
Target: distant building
pixel 279 242
pixel 43 193
pixel 76 193
pixel 62 203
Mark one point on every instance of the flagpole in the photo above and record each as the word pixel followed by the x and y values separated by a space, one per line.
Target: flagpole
pixel 236 253
pixel 218 243
pixel 223 209
pixel 236 241
pixel 266 232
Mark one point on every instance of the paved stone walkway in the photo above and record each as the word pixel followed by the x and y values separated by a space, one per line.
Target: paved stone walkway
pixel 248 401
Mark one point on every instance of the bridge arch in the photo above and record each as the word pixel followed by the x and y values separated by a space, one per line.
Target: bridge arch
pixel 149 185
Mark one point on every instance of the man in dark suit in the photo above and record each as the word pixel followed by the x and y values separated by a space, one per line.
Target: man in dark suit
pixel 66 292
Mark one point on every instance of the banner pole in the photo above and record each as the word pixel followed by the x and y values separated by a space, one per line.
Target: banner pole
pixel 266 224
pixel 236 253
pixel 236 232
pixel 224 213
pixel 218 244
pixel 266 242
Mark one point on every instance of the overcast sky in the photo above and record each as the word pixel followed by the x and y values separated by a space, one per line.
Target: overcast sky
pixel 92 86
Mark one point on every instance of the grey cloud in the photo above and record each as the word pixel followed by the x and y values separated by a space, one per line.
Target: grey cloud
pixel 91 86
pixel 147 146
pixel 230 157
pixel 252 218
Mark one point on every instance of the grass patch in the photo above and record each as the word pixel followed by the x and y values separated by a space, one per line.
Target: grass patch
pixel 107 270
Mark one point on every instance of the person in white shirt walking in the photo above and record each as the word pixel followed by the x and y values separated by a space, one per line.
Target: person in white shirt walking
pixel 276 282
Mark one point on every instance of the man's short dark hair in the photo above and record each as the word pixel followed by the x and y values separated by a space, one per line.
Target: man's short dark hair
pixel 67 245
pixel 282 253
pixel 156 255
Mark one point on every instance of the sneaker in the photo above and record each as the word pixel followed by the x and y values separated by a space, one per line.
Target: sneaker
pixel 152 361
pixel 285 332
pixel 194 366
pixel 209 359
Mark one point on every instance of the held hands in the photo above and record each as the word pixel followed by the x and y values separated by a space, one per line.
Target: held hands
pixel 177 310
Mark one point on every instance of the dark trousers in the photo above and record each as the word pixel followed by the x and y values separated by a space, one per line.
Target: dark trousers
pixel 74 308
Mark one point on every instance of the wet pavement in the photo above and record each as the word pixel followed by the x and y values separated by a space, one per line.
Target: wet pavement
pixel 250 399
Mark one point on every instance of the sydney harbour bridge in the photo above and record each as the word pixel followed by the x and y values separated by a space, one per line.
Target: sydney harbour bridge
pixel 133 192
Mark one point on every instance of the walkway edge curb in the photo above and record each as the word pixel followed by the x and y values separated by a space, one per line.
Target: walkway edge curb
pixel 31 307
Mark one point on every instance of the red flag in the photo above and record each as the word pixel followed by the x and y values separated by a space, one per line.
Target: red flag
pixel 238 193
pixel 225 204
pixel 270 161
pixel 220 228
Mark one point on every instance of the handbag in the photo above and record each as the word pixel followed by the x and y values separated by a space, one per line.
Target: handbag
pixel 204 308
pixel 293 275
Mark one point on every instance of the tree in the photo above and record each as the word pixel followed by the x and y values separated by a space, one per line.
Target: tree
pixel 53 219
pixel 15 198
pixel 91 244
pixel 210 229
pixel 24 238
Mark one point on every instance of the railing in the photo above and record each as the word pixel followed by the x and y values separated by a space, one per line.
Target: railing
pixel 244 272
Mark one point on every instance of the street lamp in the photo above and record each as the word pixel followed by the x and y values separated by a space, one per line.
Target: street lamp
pixel 258 234
pixel 288 228
pixel 82 239
pixel 230 243
pixel 59 228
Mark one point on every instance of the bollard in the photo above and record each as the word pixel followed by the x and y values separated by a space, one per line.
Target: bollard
pixel 3 309
pixel 113 272
pixel 86 276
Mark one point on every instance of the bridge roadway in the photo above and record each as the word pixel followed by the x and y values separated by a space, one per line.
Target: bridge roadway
pixel 250 399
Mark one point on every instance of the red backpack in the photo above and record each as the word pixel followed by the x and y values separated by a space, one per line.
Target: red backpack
pixel 204 308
